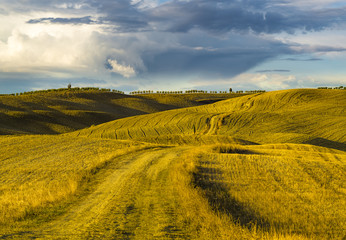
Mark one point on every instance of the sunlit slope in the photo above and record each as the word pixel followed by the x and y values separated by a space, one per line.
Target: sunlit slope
pixel 65 111
pixel 62 187
pixel 293 189
pixel 38 170
pixel 299 116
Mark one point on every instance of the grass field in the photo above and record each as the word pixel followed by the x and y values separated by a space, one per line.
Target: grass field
pixel 296 116
pixel 65 111
pixel 262 166
pixel 278 188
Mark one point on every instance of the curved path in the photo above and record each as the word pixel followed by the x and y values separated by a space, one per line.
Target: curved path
pixel 134 199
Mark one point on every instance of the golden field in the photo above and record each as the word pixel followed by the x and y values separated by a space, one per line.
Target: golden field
pixel 260 166
pixel 52 112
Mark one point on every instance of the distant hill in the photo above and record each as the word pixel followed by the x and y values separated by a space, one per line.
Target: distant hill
pixel 54 112
pixel 314 116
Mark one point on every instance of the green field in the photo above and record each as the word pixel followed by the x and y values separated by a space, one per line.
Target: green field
pixel 181 166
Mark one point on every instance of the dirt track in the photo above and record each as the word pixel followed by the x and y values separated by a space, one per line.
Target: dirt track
pixel 134 199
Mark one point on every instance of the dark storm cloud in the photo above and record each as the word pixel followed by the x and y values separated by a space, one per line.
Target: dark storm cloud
pixel 82 20
pixel 223 63
pixel 261 16
pixel 219 62
pixel 257 16
pixel 118 15
pixel 125 16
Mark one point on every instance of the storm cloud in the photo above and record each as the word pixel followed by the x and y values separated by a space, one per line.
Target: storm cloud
pixel 150 42
pixel 82 20
pixel 262 16
pixel 258 16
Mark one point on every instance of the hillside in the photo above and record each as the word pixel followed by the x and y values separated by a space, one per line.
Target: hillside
pixel 61 187
pixel 264 166
pixel 65 111
pixel 312 116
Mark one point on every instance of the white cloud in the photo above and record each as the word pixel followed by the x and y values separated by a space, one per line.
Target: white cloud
pixel 126 71
pixel 44 50
pixel 252 81
pixel 329 80
pixel 266 81
pixel 273 81
pixel 53 50
pixel 70 5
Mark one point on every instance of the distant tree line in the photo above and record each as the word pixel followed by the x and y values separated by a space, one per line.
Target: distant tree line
pixel 141 92
pixel 168 92
pixel 68 89
pixel 192 91
pixel 255 91
pixel 341 87
pixel 196 91
pixel 173 92
pixel 77 89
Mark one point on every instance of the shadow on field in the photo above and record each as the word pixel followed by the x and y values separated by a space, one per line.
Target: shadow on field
pixel 322 142
pixel 210 180
pixel 231 149
pixel 19 235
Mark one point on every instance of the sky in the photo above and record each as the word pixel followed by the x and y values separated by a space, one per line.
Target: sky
pixel 172 44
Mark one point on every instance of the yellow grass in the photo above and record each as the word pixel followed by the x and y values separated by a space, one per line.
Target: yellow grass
pixel 65 111
pixel 189 99
pixel 263 166
pixel 297 116
pixel 37 170
pixel 283 191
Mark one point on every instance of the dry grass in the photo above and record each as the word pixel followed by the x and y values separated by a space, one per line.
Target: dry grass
pixel 297 116
pixel 235 169
pixel 38 170
pixel 66 111
pixel 198 216
pixel 189 100
pixel 279 191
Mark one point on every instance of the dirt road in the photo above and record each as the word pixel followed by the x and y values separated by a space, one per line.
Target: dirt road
pixel 134 199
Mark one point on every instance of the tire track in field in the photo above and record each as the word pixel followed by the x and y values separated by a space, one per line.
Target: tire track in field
pixel 134 201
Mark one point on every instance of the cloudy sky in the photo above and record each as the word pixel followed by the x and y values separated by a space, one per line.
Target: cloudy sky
pixel 172 44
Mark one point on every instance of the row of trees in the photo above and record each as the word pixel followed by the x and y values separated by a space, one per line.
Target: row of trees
pixel 141 92
pixel 69 89
pixel 76 89
pixel 341 87
pixel 193 91
pixel 196 91
pixel 255 91
pixel 173 92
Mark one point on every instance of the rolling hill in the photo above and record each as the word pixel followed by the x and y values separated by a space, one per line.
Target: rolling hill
pixel 55 112
pixel 262 166
pixel 314 116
